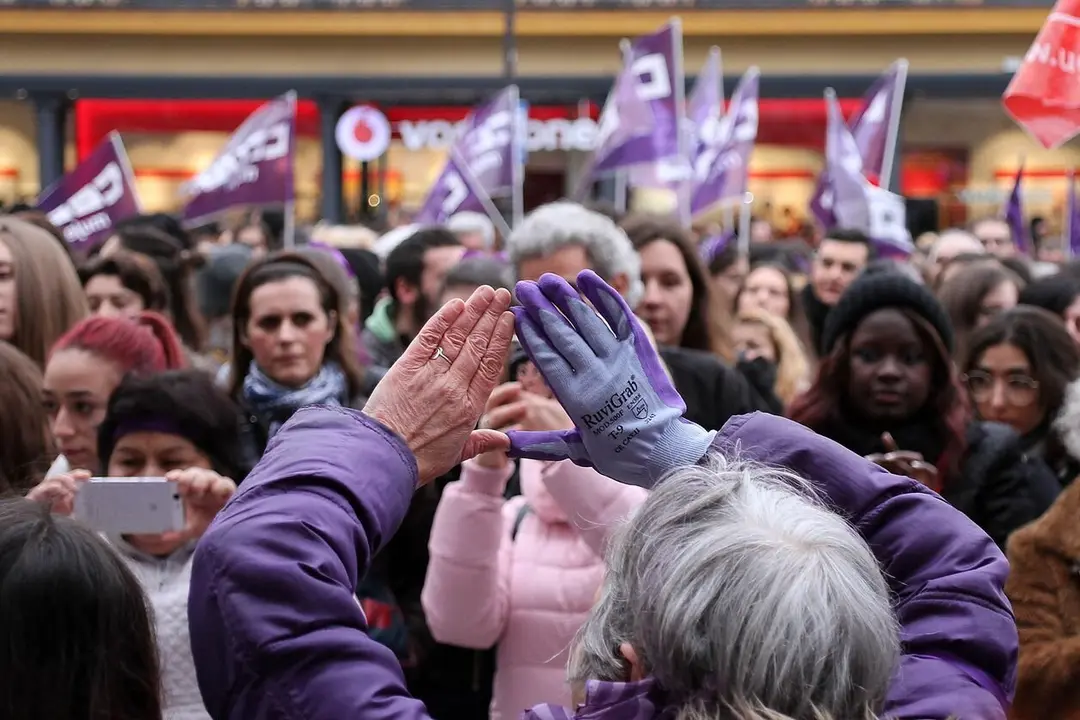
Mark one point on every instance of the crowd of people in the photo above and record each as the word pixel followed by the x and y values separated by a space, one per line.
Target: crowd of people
pixel 413 488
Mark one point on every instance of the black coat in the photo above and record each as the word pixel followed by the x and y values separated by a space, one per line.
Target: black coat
pixel 1001 487
pixel 712 391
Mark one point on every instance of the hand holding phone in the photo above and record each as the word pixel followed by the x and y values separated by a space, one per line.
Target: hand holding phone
pixel 59 491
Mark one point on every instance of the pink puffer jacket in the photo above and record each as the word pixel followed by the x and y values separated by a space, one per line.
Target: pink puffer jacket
pixel 528 594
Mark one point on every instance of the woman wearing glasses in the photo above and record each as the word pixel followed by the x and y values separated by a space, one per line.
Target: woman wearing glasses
pixel 1017 370
pixel 1021 371
pixel 887 389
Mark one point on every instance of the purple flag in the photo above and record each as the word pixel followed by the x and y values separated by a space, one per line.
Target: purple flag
pixel 1014 214
pixel 704 112
pixel 87 202
pixel 874 126
pixel 254 168
pixel 1072 218
pixel 856 203
pixel 481 162
pixel 641 120
pixel 714 245
pixel 722 166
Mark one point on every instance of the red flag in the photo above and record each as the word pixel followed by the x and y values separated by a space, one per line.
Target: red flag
pixel 1044 95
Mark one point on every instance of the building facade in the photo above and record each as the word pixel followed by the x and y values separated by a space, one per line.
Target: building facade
pixel 175 82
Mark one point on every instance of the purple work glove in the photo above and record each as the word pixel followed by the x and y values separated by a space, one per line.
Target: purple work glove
pixel 610 381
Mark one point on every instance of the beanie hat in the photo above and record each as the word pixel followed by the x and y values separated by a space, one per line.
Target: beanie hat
pixel 870 293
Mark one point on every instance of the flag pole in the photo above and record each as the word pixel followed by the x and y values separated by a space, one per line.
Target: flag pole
pixel 518 147
pixel 744 224
pixel 683 152
pixel 474 185
pixel 893 137
pixel 290 191
pixel 1070 193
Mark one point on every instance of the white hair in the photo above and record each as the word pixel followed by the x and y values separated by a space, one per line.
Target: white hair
pixel 552 227
pixel 473 222
pixel 392 238
pixel 744 596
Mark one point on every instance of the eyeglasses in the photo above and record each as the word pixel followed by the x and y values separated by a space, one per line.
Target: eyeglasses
pixel 1020 390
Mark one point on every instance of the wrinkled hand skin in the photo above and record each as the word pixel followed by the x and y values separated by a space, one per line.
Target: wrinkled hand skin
pixel 434 404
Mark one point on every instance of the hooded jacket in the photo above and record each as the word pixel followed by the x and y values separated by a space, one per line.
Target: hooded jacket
pixel 380 337
pixel 522 573
pixel 277 634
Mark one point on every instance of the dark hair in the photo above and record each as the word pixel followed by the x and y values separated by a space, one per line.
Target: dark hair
pixel 406 261
pixel 77 636
pixel 25 451
pixel 257 220
pixel 369 279
pixel 963 294
pixel 1019 266
pixel 162 222
pixel 176 264
pixel 855 237
pixel 1054 293
pixel 963 260
pixel 721 261
pixel 477 271
pixel 1048 347
pixel 136 272
pixel 823 401
pixel 188 400
pixel 281 266
pixel 708 326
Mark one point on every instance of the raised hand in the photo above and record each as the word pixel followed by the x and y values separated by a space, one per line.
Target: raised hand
pixel 609 379
pixel 434 394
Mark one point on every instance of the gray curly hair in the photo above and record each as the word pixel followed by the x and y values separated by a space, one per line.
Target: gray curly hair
pixel 552 227
pixel 744 596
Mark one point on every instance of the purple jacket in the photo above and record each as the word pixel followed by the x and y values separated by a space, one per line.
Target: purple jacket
pixel 277 634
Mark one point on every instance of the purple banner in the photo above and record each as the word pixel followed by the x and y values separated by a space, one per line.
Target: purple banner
pixel 641 120
pixel 722 167
pixel 702 125
pixel 857 204
pixel 255 167
pixel 1072 218
pixel 873 126
pixel 1014 214
pixel 87 202
pixel 481 162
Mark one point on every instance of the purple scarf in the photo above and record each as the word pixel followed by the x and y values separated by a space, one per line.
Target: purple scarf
pixel 609 701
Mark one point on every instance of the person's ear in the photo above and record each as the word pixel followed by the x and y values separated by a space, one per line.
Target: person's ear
pixel 331 325
pixel 637 672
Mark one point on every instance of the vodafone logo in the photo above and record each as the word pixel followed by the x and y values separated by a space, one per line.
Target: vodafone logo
pixel 363 133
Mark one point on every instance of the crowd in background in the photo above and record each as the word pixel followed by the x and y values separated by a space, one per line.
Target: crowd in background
pixel 178 353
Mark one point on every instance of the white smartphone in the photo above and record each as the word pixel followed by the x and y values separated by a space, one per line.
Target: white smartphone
pixel 137 505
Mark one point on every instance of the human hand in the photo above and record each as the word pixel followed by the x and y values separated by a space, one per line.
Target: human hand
pixel 204 493
pixel 434 394
pixel 59 491
pixel 905 462
pixel 609 379
pixel 511 407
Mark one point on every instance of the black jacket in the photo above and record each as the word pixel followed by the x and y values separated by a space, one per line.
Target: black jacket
pixel 713 392
pixel 1001 488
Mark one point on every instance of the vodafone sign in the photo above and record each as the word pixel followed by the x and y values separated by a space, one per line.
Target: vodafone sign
pixel 364 133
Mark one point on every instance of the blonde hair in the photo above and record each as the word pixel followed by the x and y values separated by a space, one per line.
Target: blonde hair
pixel 49 298
pixel 792 367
